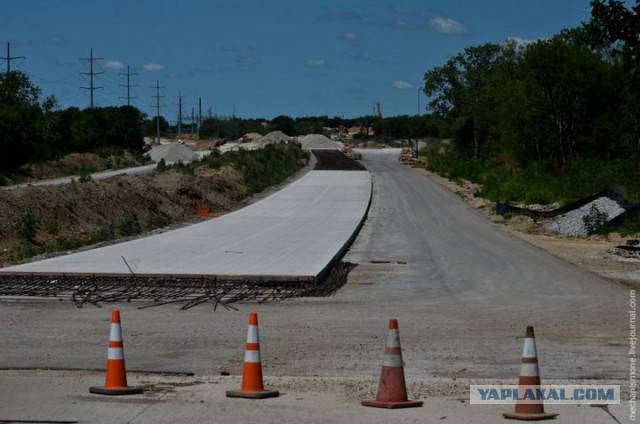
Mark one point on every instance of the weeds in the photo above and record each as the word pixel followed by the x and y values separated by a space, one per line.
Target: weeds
pixel 595 221
pixel 129 226
pixel 26 225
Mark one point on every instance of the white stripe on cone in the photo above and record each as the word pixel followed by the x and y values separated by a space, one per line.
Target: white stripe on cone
pixel 116 333
pixel 392 361
pixel 529 370
pixel 252 356
pixel 252 334
pixel 529 349
pixel 115 353
pixel 393 338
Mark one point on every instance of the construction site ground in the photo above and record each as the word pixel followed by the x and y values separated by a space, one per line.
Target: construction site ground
pixel 462 288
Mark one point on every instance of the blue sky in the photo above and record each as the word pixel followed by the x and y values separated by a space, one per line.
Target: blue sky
pixel 261 58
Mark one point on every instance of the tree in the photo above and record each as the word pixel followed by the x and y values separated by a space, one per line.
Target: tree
pixel 150 126
pixel 285 124
pixel 615 27
pixel 463 93
pixel 566 88
pixel 20 113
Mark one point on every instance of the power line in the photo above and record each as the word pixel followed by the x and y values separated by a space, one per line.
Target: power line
pixel 157 97
pixel 8 58
pixel 91 88
pixel 128 74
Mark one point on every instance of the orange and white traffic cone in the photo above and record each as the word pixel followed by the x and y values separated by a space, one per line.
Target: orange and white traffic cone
pixel 252 386
pixel 116 381
pixel 392 390
pixel 529 381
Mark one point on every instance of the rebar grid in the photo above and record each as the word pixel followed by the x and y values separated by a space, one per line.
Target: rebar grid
pixel 162 290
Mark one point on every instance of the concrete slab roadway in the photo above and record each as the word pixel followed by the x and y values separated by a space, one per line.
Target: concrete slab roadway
pixel 295 232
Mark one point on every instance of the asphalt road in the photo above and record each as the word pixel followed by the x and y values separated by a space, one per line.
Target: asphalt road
pixel 462 288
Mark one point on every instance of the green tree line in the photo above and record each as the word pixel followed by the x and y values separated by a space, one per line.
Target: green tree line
pixel 545 109
pixel 31 129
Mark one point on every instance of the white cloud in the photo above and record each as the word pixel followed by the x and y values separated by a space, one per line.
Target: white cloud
pixel 153 67
pixel 402 85
pixel 113 64
pixel 317 63
pixel 402 25
pixel 350 36
pixel 447 26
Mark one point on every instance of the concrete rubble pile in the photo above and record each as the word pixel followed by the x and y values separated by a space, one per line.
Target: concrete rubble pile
pixel 572 223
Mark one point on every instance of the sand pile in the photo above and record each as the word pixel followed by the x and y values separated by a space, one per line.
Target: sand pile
pixel 172 153
pixel 318 142
pixel 274 137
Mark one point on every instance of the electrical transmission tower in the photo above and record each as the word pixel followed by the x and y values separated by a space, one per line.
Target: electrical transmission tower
pixel 179 115
pixel 128 75
pixel 158 97
pixel 91 74
pixel 8 58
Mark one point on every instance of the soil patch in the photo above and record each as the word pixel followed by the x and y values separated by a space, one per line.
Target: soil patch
pixel 335 160
pixel 37 219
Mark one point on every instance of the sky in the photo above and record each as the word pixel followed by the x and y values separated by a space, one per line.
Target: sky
pixel 260 58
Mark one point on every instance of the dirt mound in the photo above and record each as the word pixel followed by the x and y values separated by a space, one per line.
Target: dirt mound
pixel 38 219
pixel 318 141
pixel 274 137
pixel 73 164
pixel 335 160
pixel 175 152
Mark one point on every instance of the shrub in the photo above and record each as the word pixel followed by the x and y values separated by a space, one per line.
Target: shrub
pixel 51 226
pixel 129 226
pixel 595 221
pixel 26 225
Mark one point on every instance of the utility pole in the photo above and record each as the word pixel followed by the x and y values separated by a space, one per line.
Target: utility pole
pixel 8 58
pixel 193 121
pixel 91 87
pixel 418 102
pixel 157 97
pixel 199 113
pixel 179 115
pixel 128 75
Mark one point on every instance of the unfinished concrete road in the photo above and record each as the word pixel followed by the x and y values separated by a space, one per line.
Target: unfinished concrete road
pixel 462 289
pixel 294 233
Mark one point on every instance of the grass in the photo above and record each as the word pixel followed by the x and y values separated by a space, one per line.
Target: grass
pixel 261 168
pixel 543 183
pixel 540 182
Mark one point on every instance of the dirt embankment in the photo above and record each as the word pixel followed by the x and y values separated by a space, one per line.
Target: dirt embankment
pixel 41 219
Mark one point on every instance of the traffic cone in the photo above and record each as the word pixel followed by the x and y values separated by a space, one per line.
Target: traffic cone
pixel 529 410
pixel 392 391
pixel 252 386
pixel 116 381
